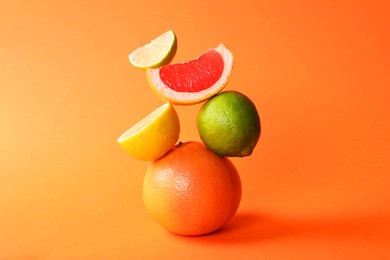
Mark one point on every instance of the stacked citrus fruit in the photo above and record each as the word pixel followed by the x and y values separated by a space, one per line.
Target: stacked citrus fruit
pixel 191 188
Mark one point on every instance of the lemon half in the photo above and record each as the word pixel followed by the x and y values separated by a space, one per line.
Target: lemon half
pixel 153 136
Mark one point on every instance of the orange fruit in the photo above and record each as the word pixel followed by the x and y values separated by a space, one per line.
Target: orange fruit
pixel 229 124
pixel 193 81
pixel 191 190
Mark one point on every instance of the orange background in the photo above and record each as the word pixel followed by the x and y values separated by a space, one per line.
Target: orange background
pixel 316 187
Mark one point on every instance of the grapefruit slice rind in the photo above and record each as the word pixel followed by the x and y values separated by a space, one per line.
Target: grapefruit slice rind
pixel 193 81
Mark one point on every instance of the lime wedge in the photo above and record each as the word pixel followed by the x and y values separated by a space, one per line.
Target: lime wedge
pixel 158 52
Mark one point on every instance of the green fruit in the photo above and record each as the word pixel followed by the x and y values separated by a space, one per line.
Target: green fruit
pixel 157 53
pixel 229 124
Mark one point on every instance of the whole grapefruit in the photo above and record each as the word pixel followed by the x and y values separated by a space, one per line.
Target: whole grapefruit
pixel 191 190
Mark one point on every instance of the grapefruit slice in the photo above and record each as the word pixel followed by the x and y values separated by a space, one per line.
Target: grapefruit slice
pixel 193 81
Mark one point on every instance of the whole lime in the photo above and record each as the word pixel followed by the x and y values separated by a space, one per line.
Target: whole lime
pixel 229 124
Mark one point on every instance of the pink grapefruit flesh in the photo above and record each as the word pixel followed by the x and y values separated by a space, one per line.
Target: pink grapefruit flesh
pixel 193 81
pixel 194 76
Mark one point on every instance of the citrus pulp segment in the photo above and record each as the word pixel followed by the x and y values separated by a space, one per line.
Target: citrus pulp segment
pixel 193 81
pixel 158 52
pixel 153 136
pixel 229 124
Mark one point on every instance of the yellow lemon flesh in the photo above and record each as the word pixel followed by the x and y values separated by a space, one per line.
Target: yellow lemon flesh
pixel 229 124
pixel 153 136
pixel 158 52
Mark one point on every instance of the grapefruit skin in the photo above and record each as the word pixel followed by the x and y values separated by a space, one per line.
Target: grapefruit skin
pixel 191 190
pixel 186 94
